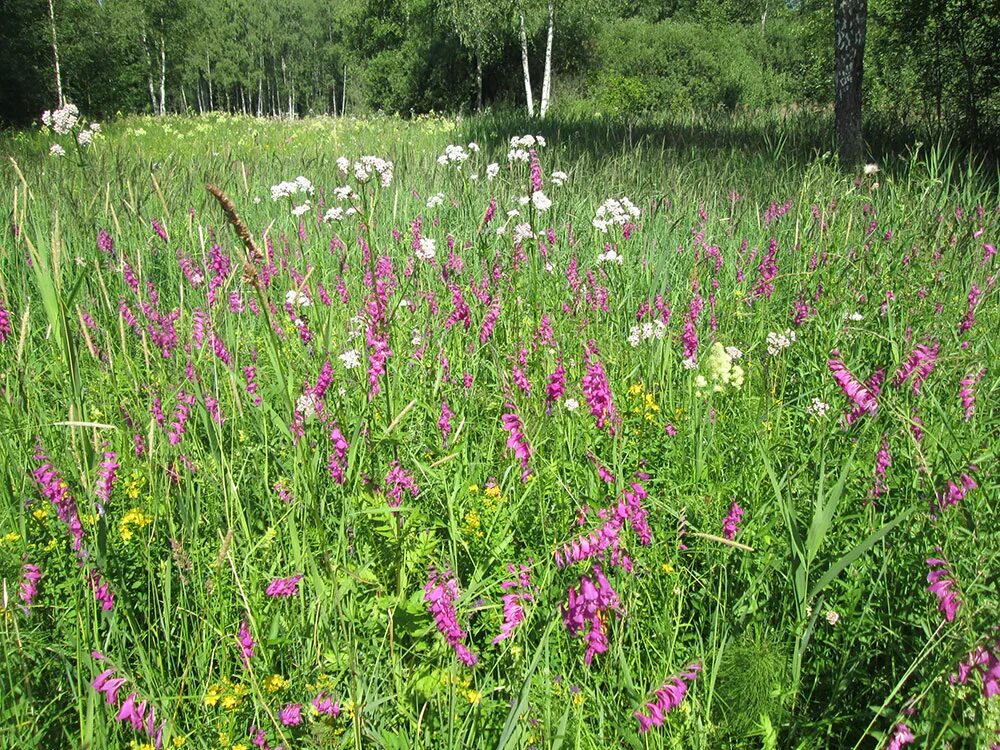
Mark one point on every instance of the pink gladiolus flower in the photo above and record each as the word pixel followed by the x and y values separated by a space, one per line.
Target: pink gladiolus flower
pixel 440 593
pixel 284 587
pixel 942 585
pixel 246 644
pixel 5 327
pixel 556 387
pixel 666 699
pixel 901 735
pixel 587 609
pixel 597 391
pixel 30 576
pixel 731 523
pixel 956 492
pixel 968 393
pixel 397 482
pixel 56 491
pixel 517 441
pixel 444 422
pixel 517 592
pixel 338 455
pixel 106 475
pixel 853 389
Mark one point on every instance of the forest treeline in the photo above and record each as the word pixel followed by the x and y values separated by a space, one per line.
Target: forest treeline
pixel 929 63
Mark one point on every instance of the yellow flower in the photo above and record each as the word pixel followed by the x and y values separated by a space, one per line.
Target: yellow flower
pixel 11 537
pixel 473 489
pixel 635 389
pixel 474 697
pixel 240 746
pixel 275 682
pixel 213 695
pixel 577 699
pixel 667 568
pixel 135 517
pixel 40 514
pixel 493 491
pixel 179 741
pixel 223 739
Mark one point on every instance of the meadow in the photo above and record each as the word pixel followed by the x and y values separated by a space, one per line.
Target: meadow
pixel 495 433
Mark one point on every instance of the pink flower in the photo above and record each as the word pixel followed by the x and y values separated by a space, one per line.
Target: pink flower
pixel 30 576
pixel 284 587
pixel 291 715
pixel 968 393
pixel 517 592
pixel 517 441
pixel 901 735
pixel 109 685
pixel 56 491
pixel 397 482
pixel 666 698
pixel 586 610
pixel 246 644
pixel 556 387
pixel 597 391
pixel 956 492
pixel 325 706
pixel 853 389
pixel 106 475
pixel 102 592
pixel 731 523
pixel 440 593
pixel 338 455
pixel 444 422
pixel 942 585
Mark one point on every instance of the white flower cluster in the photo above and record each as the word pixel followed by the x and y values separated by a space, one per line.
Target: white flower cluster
pixel 297 299
pixel 520 144
pixel 456 155
pixel 719 372
pixel 293 187
pixel 855 316
pixel 615 212
pixel 307 405
pixel 649 330
pixel 56 150
pixel 521 233
pixel 611 256
pixel 733 352
pixel 427 249
pixel 351 359
pixel 558 178
pixel 63 120
pixel 367 166
pixel 540 201
pixel 818 408
pixel 435 200
pixel 301 209
pixel 492 170
pixel 85 137
pixel 778 342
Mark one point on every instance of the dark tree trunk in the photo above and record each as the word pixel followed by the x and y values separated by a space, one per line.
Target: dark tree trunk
pixel 850 21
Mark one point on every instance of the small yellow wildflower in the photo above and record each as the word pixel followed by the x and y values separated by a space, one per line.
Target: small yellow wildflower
pixel 577 699
pixel 213 695
pixel 667 568
pixel 240 746
pixel 40 514
pixel 134 518
pixel 493 491
pixel 474 697
pixel 473 489
pixel 275 682
pixel 179 741
pixel 11 537
pixel 223 739
pixel 635 389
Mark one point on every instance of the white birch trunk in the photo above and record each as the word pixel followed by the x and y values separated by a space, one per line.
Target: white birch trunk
pixel 527 71
pixel 163 76
pixel 547 80
pixel 55 54
pixel 149 72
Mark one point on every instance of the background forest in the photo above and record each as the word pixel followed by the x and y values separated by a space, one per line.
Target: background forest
pixel 933 65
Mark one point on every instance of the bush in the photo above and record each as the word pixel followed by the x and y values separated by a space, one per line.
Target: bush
pixel 684 66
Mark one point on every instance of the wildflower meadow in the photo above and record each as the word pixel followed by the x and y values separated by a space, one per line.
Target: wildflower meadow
pixel 497 432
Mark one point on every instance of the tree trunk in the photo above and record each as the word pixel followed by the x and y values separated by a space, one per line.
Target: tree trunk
pixel 547 79
pixel 208 77
pixel 55 54
pixel 479 82
pixel 343 101
pixel 201 106
pixel 163 75
pixel 184 99
pixel 850 18
pixel 527 71
pixel 149 72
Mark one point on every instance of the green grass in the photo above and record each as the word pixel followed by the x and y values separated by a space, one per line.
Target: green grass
pixel 194 532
